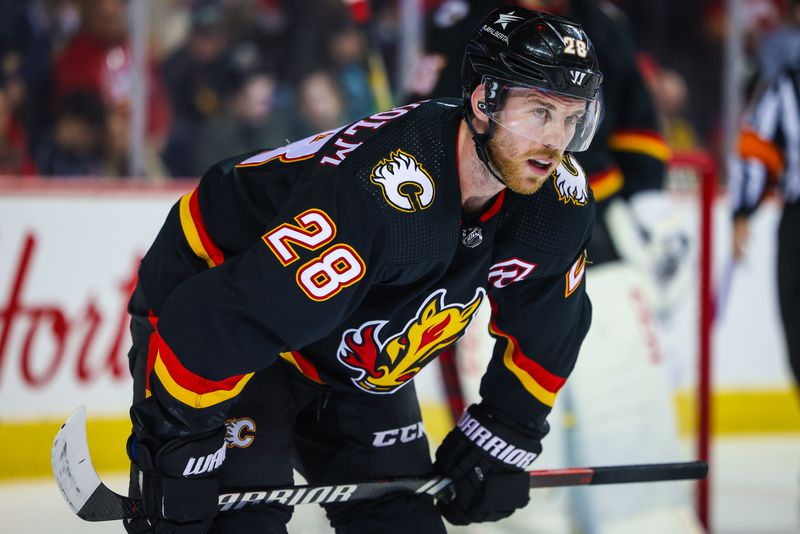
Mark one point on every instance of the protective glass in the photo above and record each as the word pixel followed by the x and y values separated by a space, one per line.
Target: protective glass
pixel 564 122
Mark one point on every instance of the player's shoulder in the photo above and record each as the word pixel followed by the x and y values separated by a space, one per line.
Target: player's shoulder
pixel 407 169
pixel 558 218
pixel 417 129
pixel 399 156
pixel 567 191
pixel 570 184
pixel 395 168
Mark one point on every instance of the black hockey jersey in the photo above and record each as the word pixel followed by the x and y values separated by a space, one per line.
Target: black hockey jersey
pixel 347 256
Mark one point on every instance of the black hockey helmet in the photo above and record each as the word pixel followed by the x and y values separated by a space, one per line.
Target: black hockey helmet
pixel 515 47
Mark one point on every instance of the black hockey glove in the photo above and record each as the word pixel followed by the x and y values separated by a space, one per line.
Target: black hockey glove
pixel 179 482
pixel 487 460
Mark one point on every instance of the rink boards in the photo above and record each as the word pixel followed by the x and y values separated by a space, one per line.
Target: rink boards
pixel 69 256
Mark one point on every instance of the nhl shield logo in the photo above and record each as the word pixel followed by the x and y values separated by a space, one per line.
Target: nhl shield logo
pixel 471 237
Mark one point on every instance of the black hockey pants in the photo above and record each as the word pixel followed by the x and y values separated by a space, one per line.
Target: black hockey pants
pixel 789 282
pixel 282 421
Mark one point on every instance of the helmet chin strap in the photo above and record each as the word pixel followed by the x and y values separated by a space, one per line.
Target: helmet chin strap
pixel 480 141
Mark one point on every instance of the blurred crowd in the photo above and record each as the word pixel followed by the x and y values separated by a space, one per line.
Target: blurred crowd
pixel 228 76
pixel 682 59
pixel 223 77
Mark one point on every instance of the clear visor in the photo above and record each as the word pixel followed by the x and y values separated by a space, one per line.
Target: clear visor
pixel 565 123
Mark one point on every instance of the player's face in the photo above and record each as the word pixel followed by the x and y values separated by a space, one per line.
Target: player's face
pixel 532 131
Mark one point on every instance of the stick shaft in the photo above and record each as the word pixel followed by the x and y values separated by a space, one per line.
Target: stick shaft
pixel 91 500
pixel 295 495
pixel 620 474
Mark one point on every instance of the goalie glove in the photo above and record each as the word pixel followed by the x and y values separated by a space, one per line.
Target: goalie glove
pixel 179 480
pixel 487 459
pixel 650 235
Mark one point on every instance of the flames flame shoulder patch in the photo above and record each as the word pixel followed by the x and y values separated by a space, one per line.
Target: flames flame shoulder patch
pixel 385 364
pixel 570 182
pixel 405 184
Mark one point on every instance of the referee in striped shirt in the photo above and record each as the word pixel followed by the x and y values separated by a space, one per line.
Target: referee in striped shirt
pixel 769 154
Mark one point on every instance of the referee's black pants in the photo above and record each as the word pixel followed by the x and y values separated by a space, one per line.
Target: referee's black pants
pixel 789 282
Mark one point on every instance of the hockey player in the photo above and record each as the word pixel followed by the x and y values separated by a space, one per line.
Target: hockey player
pixel 291 298
pixel 626 159
pixel 636 270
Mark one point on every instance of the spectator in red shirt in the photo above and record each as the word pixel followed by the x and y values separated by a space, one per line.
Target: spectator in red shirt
pixel 99 59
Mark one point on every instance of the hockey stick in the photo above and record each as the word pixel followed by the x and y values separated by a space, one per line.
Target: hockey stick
pixel 724 288
pixel 91 500
pixel 451 382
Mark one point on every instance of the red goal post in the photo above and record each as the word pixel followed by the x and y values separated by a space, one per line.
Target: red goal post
pixel 696 173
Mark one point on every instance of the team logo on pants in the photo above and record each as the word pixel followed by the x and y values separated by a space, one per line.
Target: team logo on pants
pixel 240 432
pixel 386 365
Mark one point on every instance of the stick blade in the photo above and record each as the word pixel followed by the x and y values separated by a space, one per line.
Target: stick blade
pixel 71 463
pixel 76 478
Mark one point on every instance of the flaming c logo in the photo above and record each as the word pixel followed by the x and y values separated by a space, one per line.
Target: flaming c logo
pixel 385 366
pixel 406 185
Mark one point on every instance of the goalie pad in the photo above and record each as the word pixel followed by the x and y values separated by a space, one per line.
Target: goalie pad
pixel 621 400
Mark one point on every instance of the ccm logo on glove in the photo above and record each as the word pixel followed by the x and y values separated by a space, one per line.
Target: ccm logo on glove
pixel 496 446
pixel 205 464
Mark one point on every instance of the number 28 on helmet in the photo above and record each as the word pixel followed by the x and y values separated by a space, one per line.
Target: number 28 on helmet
pixel 540 76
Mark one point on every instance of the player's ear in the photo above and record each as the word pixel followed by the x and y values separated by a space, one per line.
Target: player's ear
pixel 478 102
